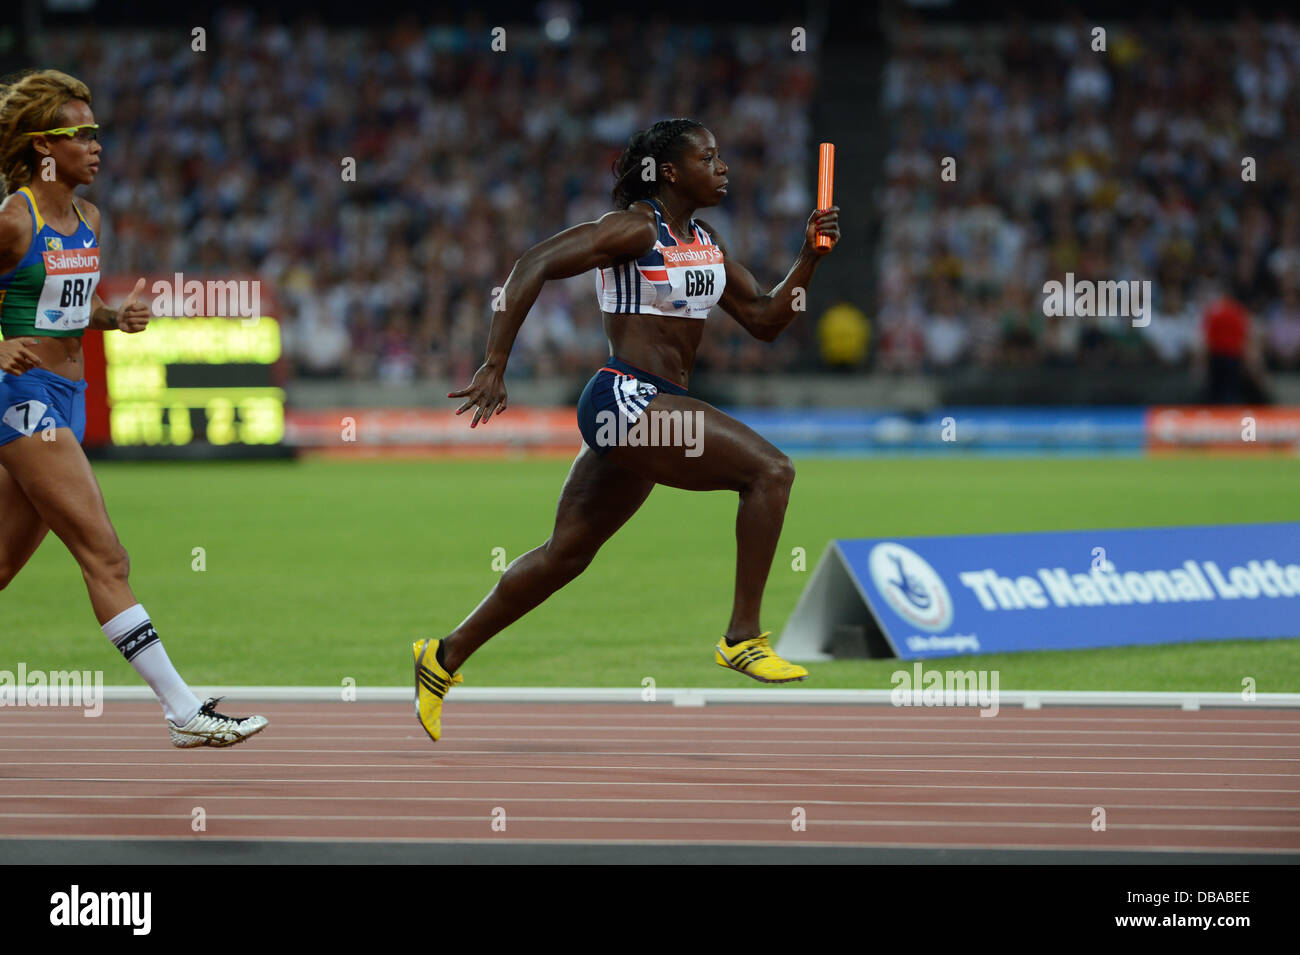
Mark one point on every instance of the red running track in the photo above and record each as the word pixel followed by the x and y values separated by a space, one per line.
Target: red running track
pixel 1214 780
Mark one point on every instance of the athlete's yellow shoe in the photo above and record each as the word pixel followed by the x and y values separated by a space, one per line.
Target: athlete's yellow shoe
pixel 754 657
pixel 431 684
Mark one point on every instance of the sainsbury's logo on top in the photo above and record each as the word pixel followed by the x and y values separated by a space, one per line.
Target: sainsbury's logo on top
pixel 66 261
pixel 705 255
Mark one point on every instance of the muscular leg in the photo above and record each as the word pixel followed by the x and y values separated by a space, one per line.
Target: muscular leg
pixel 735 458
pixel 57 480
pixel 21 528
pixel 597 499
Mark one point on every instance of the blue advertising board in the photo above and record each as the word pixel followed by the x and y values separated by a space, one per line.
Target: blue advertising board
pixel 997 593
pixel 948 430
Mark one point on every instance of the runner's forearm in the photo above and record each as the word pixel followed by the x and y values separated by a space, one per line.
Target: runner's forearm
pixel 517 297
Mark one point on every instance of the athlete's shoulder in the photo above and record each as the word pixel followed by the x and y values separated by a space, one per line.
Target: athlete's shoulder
pixel 637 214
pixel 91 212
pixel 15 222
pixel 630 231
pixel 713 234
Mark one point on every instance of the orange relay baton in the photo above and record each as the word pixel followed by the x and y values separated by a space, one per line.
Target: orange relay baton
pixel 825 185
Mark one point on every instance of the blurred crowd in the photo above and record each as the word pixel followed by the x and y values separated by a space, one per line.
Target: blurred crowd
pixel 385 180
pixel 235 159
pixel 1169 157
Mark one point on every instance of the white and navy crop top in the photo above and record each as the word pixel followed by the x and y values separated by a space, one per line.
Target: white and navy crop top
pixel 673 278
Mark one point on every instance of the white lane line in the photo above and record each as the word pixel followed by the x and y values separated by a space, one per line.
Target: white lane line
pixel 542 728
pixel 678 754
pixel 556 740
pixel 721 784
pixel 552 842
pixel 603 768
pixel 624 820
pixel 210 797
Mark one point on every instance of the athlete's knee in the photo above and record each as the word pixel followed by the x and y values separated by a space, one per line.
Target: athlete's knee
pixel 569 556
pixel 784 468
pixel 775 472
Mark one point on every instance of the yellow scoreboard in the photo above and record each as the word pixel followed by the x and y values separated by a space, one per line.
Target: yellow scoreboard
pixel 190 381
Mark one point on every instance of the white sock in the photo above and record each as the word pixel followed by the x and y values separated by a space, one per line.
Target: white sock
pixel 133 634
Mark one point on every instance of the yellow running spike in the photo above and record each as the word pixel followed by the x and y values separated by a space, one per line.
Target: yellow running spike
pixel 431 684
pixel 756 658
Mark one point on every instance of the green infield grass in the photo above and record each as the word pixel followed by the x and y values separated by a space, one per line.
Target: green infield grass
pixel 320 570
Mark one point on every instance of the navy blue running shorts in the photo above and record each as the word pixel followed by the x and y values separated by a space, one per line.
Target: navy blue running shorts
pixel 618 392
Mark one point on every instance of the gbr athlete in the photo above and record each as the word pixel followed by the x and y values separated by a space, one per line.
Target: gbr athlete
pixel 49 268
pixel 659 273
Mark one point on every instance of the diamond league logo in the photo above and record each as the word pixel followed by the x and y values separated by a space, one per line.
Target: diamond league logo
pixel 910 586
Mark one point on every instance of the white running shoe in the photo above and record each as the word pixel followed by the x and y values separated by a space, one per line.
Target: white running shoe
pixel 210 728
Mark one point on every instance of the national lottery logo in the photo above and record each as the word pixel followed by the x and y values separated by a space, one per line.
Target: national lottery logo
pixel 910 586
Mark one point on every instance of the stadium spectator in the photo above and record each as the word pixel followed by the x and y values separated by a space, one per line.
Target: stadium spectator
pixel 1226 333
pixel 1173 332
pixel 1283 336
pixel 1021 327
pixel 902 340
pixel 844 332
pixel 317 344
pixel 947 335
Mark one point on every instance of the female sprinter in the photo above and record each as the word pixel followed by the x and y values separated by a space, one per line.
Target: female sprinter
pixel 49 267
pixel 660 271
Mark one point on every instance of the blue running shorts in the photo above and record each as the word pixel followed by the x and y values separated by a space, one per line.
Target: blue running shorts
pixel 618 390
pixel 38 399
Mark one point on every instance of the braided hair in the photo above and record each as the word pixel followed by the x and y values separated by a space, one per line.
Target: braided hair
pixel 663 142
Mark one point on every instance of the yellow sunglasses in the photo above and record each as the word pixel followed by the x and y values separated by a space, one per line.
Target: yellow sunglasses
pixel 85 133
